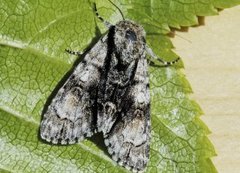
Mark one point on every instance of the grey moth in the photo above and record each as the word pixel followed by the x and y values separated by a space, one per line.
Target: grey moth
pixel 107 92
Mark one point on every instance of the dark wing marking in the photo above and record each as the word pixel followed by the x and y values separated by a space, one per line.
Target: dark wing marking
pixel 70 115
pixel 129 137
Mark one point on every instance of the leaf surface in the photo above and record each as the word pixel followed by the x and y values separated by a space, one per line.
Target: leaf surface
pixel 33 37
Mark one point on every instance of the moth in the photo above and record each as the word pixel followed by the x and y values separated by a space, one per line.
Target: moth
pixel 107 92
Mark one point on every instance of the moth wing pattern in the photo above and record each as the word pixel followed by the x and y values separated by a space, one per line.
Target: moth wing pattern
pixel 129 139
pixel 70 116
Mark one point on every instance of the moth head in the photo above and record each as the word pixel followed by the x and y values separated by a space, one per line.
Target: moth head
pixel 129 39
pixel 129 32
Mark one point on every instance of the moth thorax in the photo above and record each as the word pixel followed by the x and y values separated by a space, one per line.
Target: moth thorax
pixel 129 32
pixel 129 41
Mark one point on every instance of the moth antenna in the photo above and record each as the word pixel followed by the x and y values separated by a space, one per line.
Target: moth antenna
pixel 73 52
pixel 106 23
pixel 169 62
pixel 150 52
pixel 118 9
pixel 173 33
pixel 183 38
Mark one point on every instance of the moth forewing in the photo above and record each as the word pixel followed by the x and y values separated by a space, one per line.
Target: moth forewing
pixel 70 116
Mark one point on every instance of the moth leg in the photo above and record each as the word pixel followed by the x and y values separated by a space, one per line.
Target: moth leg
pixel 151 53
pixel 74 52
pixel 106 23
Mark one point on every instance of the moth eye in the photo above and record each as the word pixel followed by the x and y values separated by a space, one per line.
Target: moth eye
pixel 130 35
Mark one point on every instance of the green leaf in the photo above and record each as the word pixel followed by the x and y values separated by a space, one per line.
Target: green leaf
pixel 33 37
pixel 157 16
pixel 225 4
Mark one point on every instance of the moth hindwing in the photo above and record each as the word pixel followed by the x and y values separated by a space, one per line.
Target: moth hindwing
pixel 107 92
